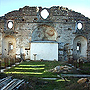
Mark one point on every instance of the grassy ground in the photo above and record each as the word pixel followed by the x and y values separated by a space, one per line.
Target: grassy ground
pixel 36 84
pixel 32 71
pixel 85 69
pixel 33 68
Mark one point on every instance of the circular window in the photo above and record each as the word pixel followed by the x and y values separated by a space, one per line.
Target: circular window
pixel 10 24
pixel 79 26
pixel 44 13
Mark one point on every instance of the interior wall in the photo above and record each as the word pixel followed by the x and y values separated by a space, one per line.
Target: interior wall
pixel 45 51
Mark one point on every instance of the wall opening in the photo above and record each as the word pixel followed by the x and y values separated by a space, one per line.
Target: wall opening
pixel 79 47
pixel 10 24
pixel 44 13
pixel 9 46
pixel 79 25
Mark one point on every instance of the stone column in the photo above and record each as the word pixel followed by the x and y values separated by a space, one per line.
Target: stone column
pixel 70 52
pixel 5 61
pixel 34 56
pixel 88 49
pixel 0 65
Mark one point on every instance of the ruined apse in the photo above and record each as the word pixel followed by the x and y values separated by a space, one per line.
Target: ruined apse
pixel 55 33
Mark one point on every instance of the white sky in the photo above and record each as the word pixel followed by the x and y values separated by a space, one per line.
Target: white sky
pixel 82 6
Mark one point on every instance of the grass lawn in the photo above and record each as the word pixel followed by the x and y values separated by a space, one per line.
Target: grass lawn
pixel 35 68
pixel 85 69
pixel 33 71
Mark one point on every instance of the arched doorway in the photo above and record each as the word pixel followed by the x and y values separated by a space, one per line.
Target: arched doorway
pixel 79 47
pixel 9 46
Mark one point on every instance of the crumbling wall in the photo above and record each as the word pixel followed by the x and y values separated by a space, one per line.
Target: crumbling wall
pixel 60 26
pixel 44 33
pixel 23 38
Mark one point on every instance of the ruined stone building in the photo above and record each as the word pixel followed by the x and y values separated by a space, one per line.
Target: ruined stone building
pixel 58 34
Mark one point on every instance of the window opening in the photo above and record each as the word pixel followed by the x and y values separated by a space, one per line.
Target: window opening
pixel 79 26
pixel 79 47
pixel 10 46
pixel 10 24
pixel 22 19
pixel 44 13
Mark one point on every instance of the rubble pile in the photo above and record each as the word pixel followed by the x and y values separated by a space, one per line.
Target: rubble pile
pixel 61 69
pixel 83 80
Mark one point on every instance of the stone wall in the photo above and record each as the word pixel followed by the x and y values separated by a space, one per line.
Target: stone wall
pixel 60 26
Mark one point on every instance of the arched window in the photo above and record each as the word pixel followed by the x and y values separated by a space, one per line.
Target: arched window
pixel 79 25
pixel 10 46
pixel 10 24
pixel 79 47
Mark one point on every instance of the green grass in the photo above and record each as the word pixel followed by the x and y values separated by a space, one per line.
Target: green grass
pixel 32 65
pixel 29 68
pixel 86 65
pixel 2 64
pixel 33 70
pixel 60 84
pixel 24 73
pixel 85 68
pixel 7 63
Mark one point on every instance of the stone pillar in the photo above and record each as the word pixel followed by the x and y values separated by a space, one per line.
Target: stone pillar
pixel 22 52
pixel 11 62
pixel 61 51
pixel 70 56
pixel 60 55
pixel 5 61
pixel 88 50
pixel 0 65
pixel 34 56
pixel 23 56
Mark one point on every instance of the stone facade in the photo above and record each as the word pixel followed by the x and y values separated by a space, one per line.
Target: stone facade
pixel 60 25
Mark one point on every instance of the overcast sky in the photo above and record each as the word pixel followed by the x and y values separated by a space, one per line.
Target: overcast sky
pixel 82 6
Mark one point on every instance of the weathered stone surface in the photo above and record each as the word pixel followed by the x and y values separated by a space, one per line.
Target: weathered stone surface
pixel 82 80
pixel 60 26
pixel 57 68
pixel 63 69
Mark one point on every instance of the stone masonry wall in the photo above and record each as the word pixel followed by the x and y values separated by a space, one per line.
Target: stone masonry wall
pixel 62 20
